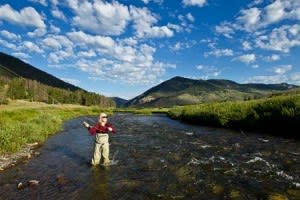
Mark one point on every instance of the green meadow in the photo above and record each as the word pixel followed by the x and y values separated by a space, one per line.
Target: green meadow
pixel 278 114
pixel 29 123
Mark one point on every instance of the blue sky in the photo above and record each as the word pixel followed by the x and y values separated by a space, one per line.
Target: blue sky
pixel 122 48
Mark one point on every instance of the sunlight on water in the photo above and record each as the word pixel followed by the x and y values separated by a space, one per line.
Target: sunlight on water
pixel 155 157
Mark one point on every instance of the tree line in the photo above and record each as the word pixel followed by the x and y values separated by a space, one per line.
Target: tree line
pixel 32 90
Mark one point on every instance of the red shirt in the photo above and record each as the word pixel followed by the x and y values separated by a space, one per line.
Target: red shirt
pixel 98 128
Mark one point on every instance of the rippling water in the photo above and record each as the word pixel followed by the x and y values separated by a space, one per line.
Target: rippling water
pixel 158 158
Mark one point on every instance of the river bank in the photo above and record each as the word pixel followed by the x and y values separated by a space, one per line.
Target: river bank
pixel 24 126
pixel 276 116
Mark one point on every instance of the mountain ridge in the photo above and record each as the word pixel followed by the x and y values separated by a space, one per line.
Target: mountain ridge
pixel 183 91
pixel 28 71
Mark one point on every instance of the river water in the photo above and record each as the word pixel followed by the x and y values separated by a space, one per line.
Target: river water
pixel 155 157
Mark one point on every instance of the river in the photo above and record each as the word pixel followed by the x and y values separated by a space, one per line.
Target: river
pixel 155 157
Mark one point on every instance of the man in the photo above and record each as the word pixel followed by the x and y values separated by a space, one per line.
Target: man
pixel 101 147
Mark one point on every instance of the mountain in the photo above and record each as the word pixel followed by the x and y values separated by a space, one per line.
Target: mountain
pixel 10 66
pixel 119 101
pixel 184 91
pixel 19 80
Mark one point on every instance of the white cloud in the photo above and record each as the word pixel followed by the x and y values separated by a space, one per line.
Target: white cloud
pixel 183 45
pixel 54 29
pixel 100 17
pixel 43 2
pixel 52 43
pixel 143 23
pixel 246 45
pixel 87 54
pixel 249 18
pixel 280 39
pixel 6 44
pixel 71 80
pixel 84 40
pixel 199 3
pixel 190 17
pixel 57 56
pixel 271 79
pixel 255 66
pixel 123 60
pixel 9 35
pixel 209 71
pixel 219 52
pixel 273 57
pixel 225 29
pixel 21 55
pixel 295 78
pixel 282 69
pixel 247 58
pixel 39 32
pixel 58 14
pixel 254 18
pixel 155 1
pixel 57 42
pixel 32 47
pixel 27 16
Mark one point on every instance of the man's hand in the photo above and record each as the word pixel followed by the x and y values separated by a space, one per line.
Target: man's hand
pixel 109 128
pixel 86 124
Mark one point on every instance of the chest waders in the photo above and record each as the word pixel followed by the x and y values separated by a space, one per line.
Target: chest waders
pixel 101 149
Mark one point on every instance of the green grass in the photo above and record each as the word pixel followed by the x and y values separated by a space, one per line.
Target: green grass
pixel 27 125
pixel 280 114
pixel 142 111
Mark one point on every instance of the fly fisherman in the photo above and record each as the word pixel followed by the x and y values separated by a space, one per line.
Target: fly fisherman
pixel 101 147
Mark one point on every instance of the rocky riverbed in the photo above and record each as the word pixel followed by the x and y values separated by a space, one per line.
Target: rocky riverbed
pixel 158 158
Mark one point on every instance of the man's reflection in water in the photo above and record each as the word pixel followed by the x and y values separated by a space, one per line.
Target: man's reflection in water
pixel 98 186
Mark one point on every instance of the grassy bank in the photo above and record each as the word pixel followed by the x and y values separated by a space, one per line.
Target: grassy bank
pixel 280 114
pixel 35 122
pixel 142 111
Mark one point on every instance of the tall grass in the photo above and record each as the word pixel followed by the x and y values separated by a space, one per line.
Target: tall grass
pixel 21 126
pixel 281 114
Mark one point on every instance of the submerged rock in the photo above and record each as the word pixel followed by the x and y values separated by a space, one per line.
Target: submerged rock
pixel 217 189
pixel 277 196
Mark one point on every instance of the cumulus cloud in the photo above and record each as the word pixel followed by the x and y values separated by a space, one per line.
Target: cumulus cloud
pixel 100 17
pixel 190 17
pixel 199 3
pixel 280 39
pixel 39 32
pixel 87 54
pixel 32 47
pixel 71 80
pixel 27 16
pixel 247 58
pixel 21 55
pixel 9 35
pixel 225 29
pixel 273 57
pixel 42 2
pixel 246 45
pixel 183 45
pixel 255 18
pixel 143 23
pixel 8 45
pixel 219 53
pixel 282 69
pixel 58 14
pixel 155 1
pixel 125 60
